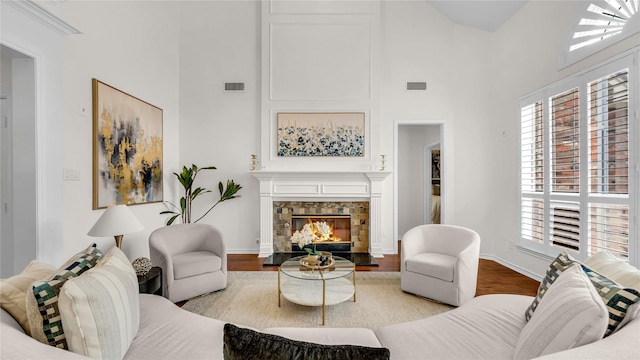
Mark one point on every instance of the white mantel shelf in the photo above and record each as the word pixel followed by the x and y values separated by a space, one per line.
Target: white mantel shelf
pixel 320 186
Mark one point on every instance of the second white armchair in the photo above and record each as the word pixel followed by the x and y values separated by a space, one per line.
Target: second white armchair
pixel 440 262
pixel 193 258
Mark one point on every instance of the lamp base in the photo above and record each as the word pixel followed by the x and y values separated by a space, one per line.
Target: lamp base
pixel 118 239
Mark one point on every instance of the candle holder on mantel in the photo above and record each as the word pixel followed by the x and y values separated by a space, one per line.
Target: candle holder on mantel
pixel 254 162
pixel 383 160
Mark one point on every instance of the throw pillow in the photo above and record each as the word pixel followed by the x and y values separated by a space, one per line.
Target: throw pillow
pixel 42 298
pixel 100 310
pixel 617 298
pixel 615 269
pixel 557 266
pixel 247 344
pixel 13 290
pixel 571 314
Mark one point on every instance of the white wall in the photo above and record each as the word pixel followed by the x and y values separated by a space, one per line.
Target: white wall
pixel 131 46
pixel 420 44
pixel 178 55
pixel 220 42
pixel 524 59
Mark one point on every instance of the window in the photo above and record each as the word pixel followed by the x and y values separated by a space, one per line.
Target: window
pixel 575 178
pixel 601 23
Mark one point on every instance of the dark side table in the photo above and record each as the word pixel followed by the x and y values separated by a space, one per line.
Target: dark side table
pixel 151 283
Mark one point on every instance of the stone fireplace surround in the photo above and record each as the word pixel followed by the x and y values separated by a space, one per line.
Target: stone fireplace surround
pixel 357 214
pixel 320 186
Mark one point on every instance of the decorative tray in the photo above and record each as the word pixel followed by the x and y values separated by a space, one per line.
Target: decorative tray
pixel 315 264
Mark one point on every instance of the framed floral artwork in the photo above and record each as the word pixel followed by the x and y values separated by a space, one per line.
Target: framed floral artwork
pixel 320 134
pixel 127 149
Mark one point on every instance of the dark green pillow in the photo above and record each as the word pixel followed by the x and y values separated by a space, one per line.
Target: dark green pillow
pixel 245 344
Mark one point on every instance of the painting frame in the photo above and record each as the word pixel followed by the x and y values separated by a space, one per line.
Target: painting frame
pixel 320 134
pixel 127 148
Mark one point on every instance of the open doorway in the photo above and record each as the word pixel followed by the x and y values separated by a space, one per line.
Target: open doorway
pixel 432 186
pixel 18 175
pixel 419 182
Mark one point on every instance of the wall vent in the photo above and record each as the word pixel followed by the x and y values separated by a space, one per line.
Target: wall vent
pixel 417 85
pixel 234 86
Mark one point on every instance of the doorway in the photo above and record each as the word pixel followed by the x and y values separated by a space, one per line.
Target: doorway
pixel 18 175
pixel 419 184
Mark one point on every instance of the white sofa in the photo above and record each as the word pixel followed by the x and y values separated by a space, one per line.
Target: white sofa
pixel 486 327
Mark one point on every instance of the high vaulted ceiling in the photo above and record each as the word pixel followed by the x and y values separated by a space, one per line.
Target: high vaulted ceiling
pixel 480 14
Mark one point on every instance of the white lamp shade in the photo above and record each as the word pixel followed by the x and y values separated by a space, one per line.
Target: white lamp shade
pixel 116 220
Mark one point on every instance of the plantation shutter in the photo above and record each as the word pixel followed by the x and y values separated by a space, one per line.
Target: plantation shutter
pixel 578 176
pixel 532 172
pixel 565 142
pixel 565 225
pixel 609 164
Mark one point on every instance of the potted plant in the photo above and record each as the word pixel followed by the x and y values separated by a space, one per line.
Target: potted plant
pixel 187 178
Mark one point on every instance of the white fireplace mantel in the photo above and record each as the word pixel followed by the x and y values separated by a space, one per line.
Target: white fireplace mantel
pixel 320 186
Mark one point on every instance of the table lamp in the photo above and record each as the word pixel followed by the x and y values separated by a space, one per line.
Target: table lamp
pixel 116 221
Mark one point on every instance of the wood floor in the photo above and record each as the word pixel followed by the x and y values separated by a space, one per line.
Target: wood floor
pixel 493 278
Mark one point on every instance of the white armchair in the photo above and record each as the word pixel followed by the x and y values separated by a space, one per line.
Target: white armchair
pixel 193 258
pixel 440 262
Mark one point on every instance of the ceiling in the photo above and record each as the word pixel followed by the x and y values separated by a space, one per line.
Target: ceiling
pixel 480 14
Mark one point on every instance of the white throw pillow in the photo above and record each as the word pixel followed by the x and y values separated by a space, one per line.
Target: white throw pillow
pixel 100 310
pixel 13 290
pixel 570 314
pixel 615 269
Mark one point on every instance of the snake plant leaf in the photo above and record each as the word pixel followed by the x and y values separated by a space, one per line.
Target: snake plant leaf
pixel 172 219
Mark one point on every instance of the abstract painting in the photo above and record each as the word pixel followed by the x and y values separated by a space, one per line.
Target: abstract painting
pixel 127 149
pixel 321 134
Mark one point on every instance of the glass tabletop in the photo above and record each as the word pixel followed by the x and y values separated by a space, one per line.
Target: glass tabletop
pixel 340 268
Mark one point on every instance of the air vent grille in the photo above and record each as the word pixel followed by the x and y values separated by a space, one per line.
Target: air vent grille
pixel 421 85
pixel 234 86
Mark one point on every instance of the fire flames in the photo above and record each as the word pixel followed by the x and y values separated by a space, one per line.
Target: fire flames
pixel 322 231
pixel 314 232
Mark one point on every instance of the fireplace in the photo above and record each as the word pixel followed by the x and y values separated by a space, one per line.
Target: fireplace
pixel 349 220
pixel 337 239
pixel 321 188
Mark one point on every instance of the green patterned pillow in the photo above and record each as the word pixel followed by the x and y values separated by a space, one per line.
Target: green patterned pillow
pixel 616 297
pixel 42 298
pixel 557 266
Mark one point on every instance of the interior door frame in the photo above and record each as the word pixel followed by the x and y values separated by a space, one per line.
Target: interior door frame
pixel 444 166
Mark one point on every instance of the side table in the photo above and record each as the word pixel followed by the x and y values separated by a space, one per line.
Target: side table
pixel 151 283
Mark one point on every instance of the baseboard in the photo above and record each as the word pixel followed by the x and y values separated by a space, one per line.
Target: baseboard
pixel 511 266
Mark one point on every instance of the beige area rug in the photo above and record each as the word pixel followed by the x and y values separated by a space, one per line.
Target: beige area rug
pixel 251 299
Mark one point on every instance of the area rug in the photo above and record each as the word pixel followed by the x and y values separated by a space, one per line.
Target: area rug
pixel 251 299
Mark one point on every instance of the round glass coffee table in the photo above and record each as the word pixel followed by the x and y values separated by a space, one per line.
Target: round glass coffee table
pixel 311 286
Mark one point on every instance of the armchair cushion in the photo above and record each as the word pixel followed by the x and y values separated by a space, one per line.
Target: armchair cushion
pixel 195 263
pixel 431 264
